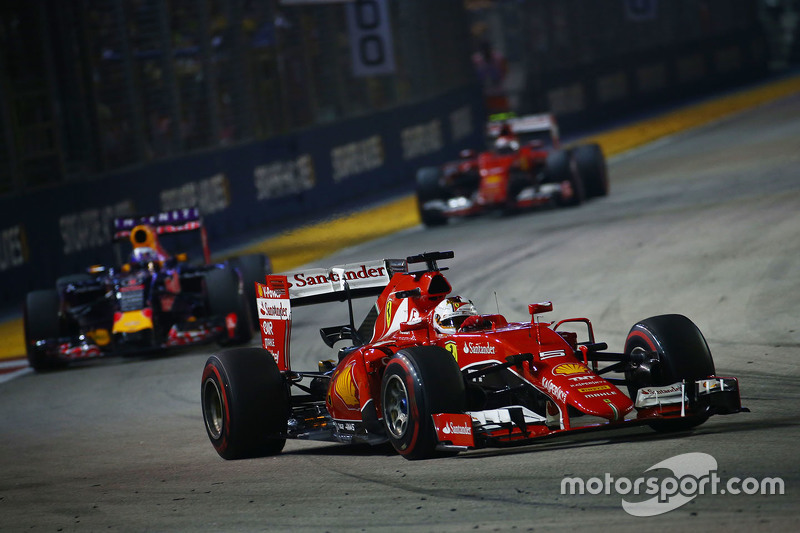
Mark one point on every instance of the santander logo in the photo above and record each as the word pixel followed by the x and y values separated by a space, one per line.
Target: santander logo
pixel 457 429
pixel 671 389
pixel 485 349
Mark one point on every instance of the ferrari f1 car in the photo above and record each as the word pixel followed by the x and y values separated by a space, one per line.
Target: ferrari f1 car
pixel 524 168
pixel 151 301
pixel 429 374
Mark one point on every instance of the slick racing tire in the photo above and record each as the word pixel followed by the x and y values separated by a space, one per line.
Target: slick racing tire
pixel 225 296
pixel 245 403
pixel 41 322
pixel 252 268
pixel 682 352
pixel 592 169
pixel 428 188
pixel 517 181
pixel 419 382
pixel 560 167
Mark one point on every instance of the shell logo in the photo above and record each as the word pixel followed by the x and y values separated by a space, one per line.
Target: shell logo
pixel 345 387
pixel 568 369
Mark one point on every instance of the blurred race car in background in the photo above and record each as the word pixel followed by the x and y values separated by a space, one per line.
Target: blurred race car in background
pixel 152 300
pixel 431 375
pixel 525 167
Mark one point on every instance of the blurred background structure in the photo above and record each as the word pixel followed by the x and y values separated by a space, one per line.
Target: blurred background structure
pixel 90 86
pixel 260 110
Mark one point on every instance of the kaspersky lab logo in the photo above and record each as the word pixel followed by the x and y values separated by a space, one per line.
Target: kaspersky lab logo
pixel 693 474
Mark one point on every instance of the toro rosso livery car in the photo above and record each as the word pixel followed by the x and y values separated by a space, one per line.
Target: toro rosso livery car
pixel 524 168
pixel 152 300
pixel 429 374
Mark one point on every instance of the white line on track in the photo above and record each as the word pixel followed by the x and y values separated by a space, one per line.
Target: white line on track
pixel 13 368
pixel 15 374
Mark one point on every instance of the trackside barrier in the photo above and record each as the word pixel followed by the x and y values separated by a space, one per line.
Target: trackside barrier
pixel 262 185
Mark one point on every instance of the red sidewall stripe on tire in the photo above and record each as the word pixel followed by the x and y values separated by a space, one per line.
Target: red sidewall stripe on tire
pixel 226 421
pixel 643 336
pixel 413 412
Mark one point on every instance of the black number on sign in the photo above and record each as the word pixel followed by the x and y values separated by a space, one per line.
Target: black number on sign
pixel 368 16
pixel 370 49
pixel 641 9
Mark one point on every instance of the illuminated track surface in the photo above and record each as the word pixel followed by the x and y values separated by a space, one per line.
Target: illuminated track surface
pixel 705 224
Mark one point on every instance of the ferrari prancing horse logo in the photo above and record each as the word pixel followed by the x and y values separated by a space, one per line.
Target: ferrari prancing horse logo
pixel 452 347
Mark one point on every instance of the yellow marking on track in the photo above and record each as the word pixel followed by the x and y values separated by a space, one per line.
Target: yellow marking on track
pixel 310 243
pixel 626 138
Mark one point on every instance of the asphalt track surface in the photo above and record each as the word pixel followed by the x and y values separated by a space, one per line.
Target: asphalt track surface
pixel 704 223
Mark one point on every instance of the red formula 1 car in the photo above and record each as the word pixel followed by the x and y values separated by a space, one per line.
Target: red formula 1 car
pixel 428 373
pixel 525 168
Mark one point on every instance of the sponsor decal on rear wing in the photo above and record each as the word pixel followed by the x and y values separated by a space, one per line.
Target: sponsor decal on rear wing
pixel 522 125
pixel 337 283
pixel 173 221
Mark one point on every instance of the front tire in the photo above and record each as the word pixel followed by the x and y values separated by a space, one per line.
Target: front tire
pixel 429 188
pixel 419 382
pixel 252 268
pixel 225 296
pixel 245 403
pixel 592 169
pixel 682 353
pixel 560 167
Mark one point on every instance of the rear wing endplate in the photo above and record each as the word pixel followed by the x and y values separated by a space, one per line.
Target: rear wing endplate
pixel 275 298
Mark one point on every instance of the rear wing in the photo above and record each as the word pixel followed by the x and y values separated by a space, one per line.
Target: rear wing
pixel 275 298
pixel 526 126
pixel 175 221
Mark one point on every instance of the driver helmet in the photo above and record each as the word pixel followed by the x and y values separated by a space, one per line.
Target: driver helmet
pixel 144 255
pixel 506 144
pixel 451 313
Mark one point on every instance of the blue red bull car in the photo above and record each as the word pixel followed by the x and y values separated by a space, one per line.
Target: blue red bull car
pixel 149 301
pixel 525 167
pixel 429 374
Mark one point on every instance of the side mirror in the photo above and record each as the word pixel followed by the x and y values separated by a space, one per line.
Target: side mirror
pixel 541 307
pixel 413 326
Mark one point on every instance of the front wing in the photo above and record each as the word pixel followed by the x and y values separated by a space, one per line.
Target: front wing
pixel 518 425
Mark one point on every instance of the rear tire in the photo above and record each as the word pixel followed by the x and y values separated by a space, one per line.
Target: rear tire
pixel 419 382
pixel 245 403
pixel 683 354
pixel 41 322
pixel 592 169
pixel 428 188
pixel 225 296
